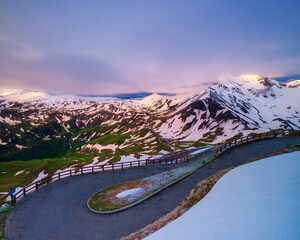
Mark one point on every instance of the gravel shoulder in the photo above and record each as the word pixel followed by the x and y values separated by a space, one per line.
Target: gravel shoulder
pixel 59 211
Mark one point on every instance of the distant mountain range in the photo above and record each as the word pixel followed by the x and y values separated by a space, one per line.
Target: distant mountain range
pixel 126 96
pixel 32 123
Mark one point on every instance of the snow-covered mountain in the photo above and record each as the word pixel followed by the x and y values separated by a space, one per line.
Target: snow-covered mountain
pixel 231 106
pixel 248 103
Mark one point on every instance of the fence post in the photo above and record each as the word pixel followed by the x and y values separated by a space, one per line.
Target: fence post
pixel 58 176
pixel 81 170
pixel 48 179
pixel 131 164
pixel 36 185
pixel 112 166
pixel 139 163
pixel 24 192
pixel 92 169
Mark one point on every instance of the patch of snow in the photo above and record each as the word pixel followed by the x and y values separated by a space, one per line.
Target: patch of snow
pixel 147 135
pixel 149 140
pixel 95 160
pixel 131 158
pixel 99 147
pixel 65 118
pixel 9 121
pixel 129 193
pixel 2 143
pixel 66 169
pixel 40 176
pixel 156 157
pixel 104 162
pixel 164 152
pixel 19 172
pixel 19 146
pixel 259 200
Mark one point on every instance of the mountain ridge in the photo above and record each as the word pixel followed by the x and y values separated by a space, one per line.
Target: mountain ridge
pixel 229 107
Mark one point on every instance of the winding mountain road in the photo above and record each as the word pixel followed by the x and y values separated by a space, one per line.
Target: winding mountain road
pixel 59 211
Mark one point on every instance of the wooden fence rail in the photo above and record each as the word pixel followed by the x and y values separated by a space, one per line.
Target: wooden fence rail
pixel 91 169
pixel 138 163
pixel 280 133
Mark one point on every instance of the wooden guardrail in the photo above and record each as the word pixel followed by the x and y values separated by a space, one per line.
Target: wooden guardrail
pixel 90 169
pixel 280 133
pixel 15 198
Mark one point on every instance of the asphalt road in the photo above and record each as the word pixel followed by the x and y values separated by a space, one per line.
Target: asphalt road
pixel 59 211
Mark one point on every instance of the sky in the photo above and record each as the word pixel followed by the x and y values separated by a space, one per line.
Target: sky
pixel 105 47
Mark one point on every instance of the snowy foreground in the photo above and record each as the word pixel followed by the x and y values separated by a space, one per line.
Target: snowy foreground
pixel 259 200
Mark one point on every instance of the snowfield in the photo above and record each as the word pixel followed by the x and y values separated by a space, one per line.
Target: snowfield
pixel 259 200
pixel 130 192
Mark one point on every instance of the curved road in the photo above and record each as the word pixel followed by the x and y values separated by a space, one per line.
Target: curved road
pixel 59 211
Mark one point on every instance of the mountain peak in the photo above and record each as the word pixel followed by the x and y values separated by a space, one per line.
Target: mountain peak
pixel 150 100
pixel 21 94
pixel 7 92
pixel 293 83
pixel 251 77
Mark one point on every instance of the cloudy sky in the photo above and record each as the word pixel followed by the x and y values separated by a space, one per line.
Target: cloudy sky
pixel 104 47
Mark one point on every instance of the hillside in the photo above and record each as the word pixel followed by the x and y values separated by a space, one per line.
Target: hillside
pixel 36 125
